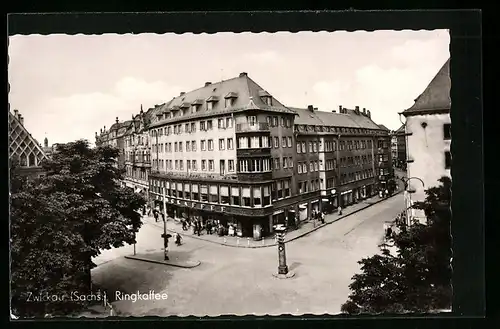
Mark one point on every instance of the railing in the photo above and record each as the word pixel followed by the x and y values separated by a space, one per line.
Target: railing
pixel 258 126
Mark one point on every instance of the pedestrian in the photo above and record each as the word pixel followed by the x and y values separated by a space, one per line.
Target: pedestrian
pixel 165 245
pixel 155 215
pixel 209 227
pixel 198 231
pixel 323 217
pixel 184 225
pixel 339 209
pixel 386 193
pixel 178 239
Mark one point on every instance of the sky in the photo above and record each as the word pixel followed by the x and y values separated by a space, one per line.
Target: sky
pixel 68 87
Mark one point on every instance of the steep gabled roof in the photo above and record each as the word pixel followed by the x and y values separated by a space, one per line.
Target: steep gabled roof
pixel 401 130
pixel 436 97
pixel 242 88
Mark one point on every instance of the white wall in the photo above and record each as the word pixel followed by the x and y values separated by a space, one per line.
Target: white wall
pixel 426 147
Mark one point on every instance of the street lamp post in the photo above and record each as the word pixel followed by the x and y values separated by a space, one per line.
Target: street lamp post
pixel 165 236
pixel 283 272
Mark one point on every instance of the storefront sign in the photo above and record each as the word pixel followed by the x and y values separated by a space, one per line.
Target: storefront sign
pixel 277 212
pixel 196 205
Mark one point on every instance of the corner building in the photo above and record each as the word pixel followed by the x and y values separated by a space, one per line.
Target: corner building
pixel 229 151
pixel 428 140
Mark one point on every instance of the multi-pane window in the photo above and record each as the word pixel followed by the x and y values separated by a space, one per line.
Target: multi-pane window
pixel 289 141
pixel 231 165
pixel 203 145
pixel 204 165
pixel 303 147
pixel 276 142
pixel 194 165
pixel 211 165
pixel 283 141
pixel 209 125
pixel 180 146
pixel 230 145
pixel 193 146
pixel 298 147
pixel 188 146
pixel 221 144
pixel 210 144
pixel 285 160
pixel 193 127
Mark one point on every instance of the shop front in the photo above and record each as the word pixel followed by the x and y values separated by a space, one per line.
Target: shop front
pixel 315 206
pixel 346 198
pixel 303 212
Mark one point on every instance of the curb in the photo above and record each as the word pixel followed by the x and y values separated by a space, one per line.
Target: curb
pixel 291 239
pixel 196 263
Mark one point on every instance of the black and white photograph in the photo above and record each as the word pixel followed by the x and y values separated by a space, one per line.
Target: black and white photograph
pixel 230 174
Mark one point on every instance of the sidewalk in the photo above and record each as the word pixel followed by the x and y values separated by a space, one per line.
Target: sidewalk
pixel 237 242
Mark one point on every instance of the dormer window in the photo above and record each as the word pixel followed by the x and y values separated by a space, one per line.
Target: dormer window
pixel 266 97
pixel 196 105
pixel 230 99
pixel 211 101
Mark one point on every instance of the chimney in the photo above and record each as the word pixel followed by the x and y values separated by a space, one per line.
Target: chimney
pixel 101 130
pixel 368 114
pixel 16 112
pixel 104 128
pixel 207 84
pixel 46 142
pixel 243 74
pixel 116 119
pixel 364 111
pixel 310 108
pixel 340 109
pixel 182 93
pixel 96 134
pixel 356 109
pixel 21 119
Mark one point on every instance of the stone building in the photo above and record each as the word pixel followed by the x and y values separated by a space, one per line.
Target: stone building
pixel 115 137
pixel 428 130
pixel 24 147
pixel 341 158
pixel 138 153
pixel 398 148
pixel 231 152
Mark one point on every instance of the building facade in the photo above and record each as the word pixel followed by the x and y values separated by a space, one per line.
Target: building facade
pixel 114 137
pixel 24 147
pixel 398 148
pixel 138 153
pixel 428 136
pixel 230 152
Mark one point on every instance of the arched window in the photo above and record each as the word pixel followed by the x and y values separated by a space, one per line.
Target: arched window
pixel 23 160
pixel 32 160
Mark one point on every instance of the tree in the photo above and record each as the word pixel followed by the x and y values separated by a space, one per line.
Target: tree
pixel 60 221
pixel 417 277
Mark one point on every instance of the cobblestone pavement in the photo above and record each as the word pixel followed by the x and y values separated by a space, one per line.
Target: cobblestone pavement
pixel 239 280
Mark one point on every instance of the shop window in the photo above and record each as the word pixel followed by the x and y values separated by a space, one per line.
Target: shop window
pixel 235 196
pixel 266 200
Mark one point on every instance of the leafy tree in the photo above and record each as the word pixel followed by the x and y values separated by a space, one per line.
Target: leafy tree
pixel 62 220
pixel 417 276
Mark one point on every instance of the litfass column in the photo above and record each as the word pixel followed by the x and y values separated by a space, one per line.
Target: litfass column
pixel 283 272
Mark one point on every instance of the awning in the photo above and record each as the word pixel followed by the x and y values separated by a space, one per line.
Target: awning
pixel 315 201
pixel 345 192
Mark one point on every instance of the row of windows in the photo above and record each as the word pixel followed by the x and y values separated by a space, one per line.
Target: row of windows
pixel 136 140
pixel 254 165
pixel 206 165
pixel 275 121
pixel 354 176
pixel 356 160
pixel 309 186
pixel 313 166
pixel 286 163
pixel 263 141
pixel 227 195
pixel 138 156
pixel 136 173
pixel 194 108
pixel 191 146
pixel 190 127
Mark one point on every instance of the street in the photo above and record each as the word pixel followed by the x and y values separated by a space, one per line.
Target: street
pixel 238 280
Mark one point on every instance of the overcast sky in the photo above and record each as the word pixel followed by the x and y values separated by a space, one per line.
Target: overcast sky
pixel 68 87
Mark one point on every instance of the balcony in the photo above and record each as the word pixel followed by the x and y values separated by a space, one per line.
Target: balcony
pixel 247 127
pixel 259 152
pixel 255 176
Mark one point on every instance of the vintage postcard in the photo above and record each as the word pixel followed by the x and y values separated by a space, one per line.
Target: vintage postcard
pixel 230 174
